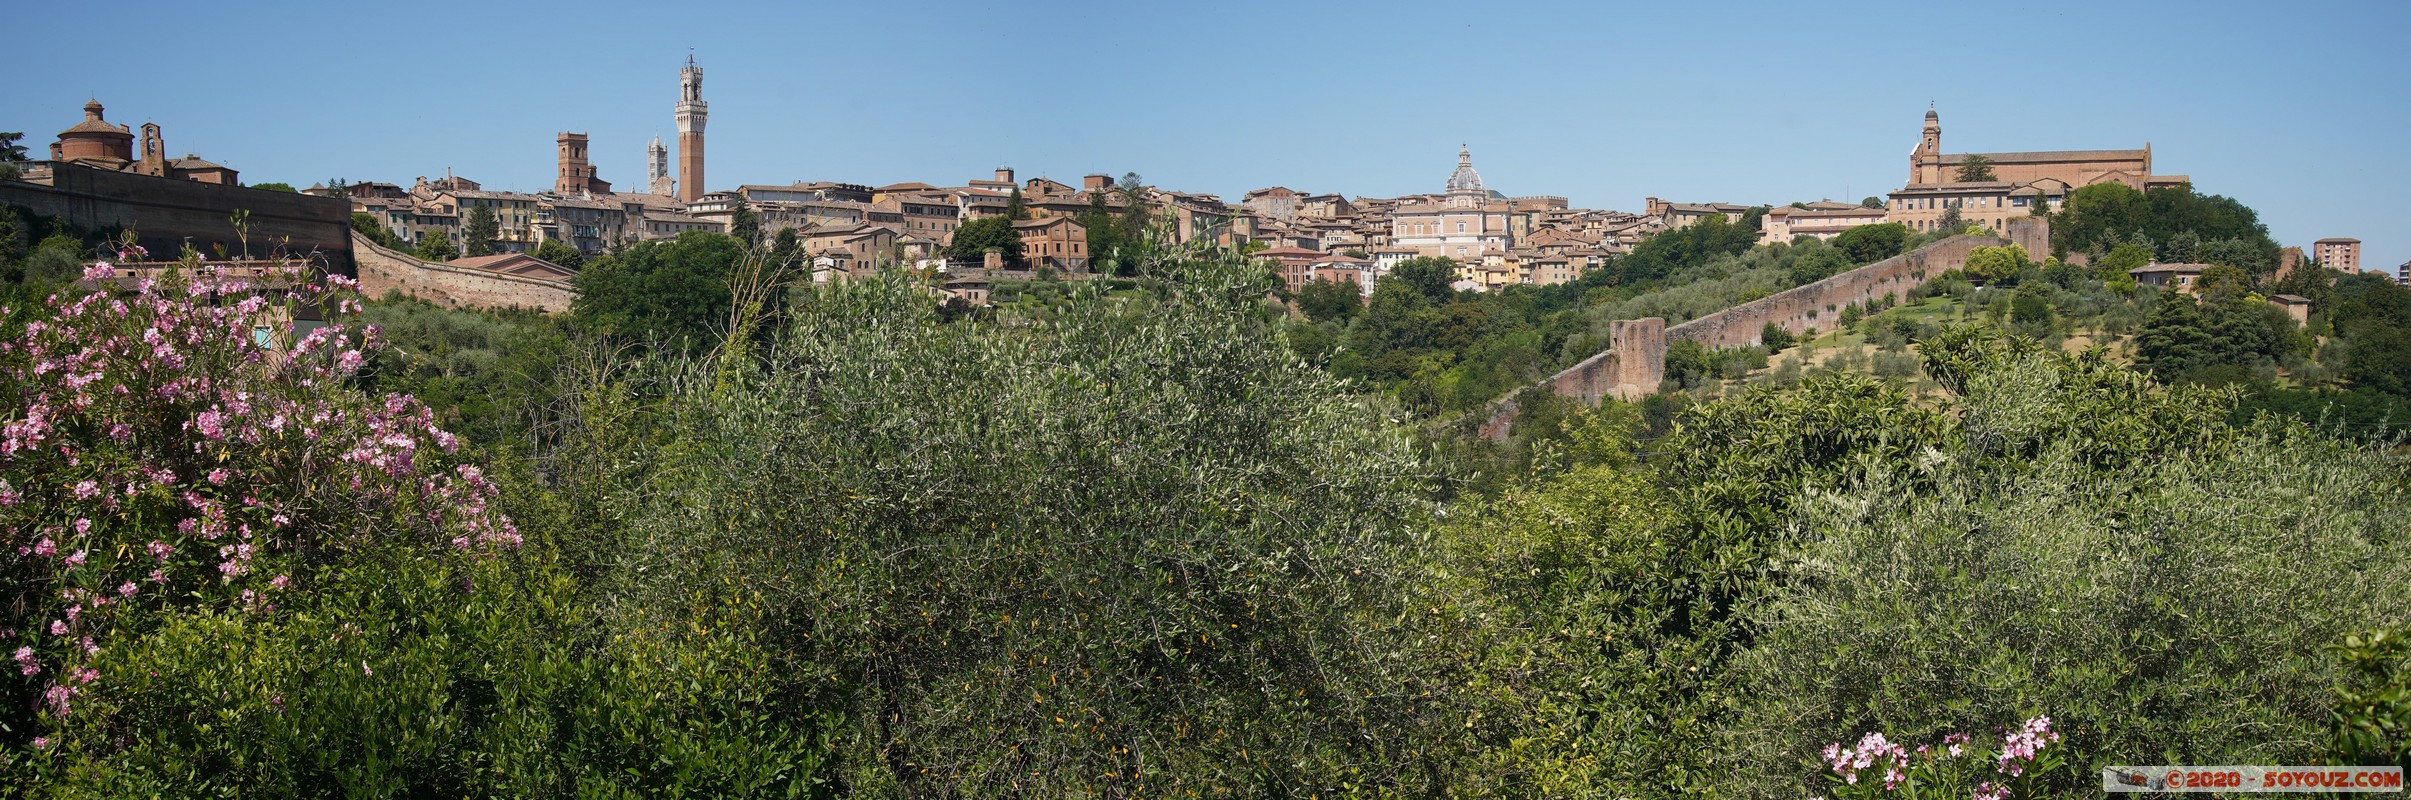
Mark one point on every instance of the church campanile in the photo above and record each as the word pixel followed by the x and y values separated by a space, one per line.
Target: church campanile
pixel 692 112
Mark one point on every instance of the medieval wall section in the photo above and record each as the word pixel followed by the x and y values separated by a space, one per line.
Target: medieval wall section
pixel 383 271
pixel 168 213
pixel 1635 361
pixel 1819 304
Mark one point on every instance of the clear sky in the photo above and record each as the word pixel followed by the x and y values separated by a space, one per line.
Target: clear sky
pixel 2298 109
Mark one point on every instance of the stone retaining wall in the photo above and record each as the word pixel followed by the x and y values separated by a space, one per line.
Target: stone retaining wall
pixel 383 270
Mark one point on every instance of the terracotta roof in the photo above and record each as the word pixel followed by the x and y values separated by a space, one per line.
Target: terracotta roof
pixel 94 124
pixel 1278 252
pixel 2291 299
pixel 2176 268
pixel 2337 241
pixel 2044 157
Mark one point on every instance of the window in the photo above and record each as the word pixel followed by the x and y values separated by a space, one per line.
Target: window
pixel 1460 227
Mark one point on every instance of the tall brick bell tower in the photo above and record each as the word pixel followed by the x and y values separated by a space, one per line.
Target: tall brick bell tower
pixel 692 112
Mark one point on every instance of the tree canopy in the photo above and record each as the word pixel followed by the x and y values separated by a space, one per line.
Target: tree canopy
pixel 673 291
pixel 1867 244
pixel 479 230
pixel 559 252
pixel 1975 168
pixel 974 239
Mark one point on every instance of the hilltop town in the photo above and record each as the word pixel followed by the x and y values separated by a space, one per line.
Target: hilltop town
pixel 2037 469
pixel 845 229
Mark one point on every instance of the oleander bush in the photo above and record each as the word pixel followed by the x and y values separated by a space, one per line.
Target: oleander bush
pixel 230 571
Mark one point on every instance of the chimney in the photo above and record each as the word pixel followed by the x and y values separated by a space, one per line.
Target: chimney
pixel 1097 183
pixel 1004 174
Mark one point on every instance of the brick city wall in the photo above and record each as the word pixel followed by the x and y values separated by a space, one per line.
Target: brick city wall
pixel 1818 305
pixel 167 213
pixel 1635 361
pixel 383 271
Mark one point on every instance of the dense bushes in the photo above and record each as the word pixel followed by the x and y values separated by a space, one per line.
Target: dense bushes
pixel 1131 548
pixel 2091 547
pixel 234 573
pixel 1123 541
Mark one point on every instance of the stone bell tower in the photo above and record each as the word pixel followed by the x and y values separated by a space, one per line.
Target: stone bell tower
pixel 692 112
pixel 657 169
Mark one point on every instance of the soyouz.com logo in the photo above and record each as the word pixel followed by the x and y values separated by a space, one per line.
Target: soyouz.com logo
pixel 2252 779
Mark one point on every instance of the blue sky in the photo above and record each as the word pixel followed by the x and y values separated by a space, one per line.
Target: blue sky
pixel 2296 109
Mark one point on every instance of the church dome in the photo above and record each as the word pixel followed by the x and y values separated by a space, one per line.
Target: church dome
pixel 1465 179
pixel 93 123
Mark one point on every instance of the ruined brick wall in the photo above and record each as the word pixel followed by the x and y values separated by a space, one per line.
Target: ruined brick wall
pixel 383 271
pixel 1818 305
pixel 167 213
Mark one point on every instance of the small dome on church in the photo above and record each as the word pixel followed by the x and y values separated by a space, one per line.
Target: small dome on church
pixel 95 123
pixel 1465 179
pixel 1930 115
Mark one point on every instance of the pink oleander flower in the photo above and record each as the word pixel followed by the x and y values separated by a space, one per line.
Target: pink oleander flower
pixel 210 424
pixel 87 490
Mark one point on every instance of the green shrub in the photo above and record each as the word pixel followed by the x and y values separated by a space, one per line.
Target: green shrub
pixel 2084 545
pixel 1133 547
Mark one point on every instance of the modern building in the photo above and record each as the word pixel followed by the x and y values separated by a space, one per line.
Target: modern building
pixel 2338 254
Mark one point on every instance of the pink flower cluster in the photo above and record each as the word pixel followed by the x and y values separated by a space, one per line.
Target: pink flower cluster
pixel 2019 749
pixel 132 414
pixel 1871 749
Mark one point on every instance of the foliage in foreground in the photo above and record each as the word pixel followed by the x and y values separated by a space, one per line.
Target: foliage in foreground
pixel 2060 537
pixel 232 573
pixel 1136 549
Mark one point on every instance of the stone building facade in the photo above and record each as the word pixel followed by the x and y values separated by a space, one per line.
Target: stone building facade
pixel 2021 181
pixel 1466 223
